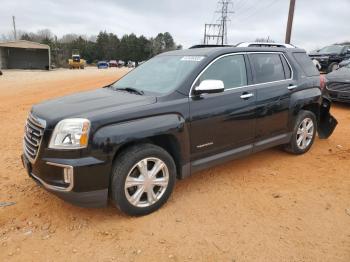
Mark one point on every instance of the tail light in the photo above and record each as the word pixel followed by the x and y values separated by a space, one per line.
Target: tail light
pixel 322 82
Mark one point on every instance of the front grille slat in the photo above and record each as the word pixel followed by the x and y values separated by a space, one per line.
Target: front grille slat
pixel 33 134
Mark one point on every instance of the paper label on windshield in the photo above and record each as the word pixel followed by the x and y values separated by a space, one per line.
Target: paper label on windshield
pixel 192 58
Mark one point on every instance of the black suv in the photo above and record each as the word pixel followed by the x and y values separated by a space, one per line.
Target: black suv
pixel 176 114
pixel 329 57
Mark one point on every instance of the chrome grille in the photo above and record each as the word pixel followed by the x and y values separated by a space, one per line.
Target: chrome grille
pixel 339 86
pixel 33 134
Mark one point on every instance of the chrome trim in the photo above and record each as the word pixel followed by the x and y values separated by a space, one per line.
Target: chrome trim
pixel 40 122
pixel 292 87
pixel 37 125
pixel 56 188
pixel 246 95
pixel 239 87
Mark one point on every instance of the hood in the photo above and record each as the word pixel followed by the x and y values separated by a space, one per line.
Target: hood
pixel 91 103
pixel 322 54
pixel 340 75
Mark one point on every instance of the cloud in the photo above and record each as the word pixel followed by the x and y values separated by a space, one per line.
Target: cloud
pixel 316 23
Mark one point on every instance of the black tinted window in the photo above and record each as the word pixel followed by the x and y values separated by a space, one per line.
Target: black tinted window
pixel 230 69
pixel 306 64
pixel 267 67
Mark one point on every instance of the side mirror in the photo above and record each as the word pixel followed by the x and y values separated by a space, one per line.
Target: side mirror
pixel 210 87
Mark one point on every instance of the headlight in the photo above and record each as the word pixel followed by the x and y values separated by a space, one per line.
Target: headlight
pixel 70 134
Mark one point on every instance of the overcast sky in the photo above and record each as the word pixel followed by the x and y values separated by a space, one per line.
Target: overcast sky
pixel 316 22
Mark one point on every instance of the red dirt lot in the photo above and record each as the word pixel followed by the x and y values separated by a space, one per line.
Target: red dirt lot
pixel 271 206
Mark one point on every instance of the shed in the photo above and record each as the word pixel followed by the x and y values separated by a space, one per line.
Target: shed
pixel 24 54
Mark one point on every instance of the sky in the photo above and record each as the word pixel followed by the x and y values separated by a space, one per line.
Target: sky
pixel 316 22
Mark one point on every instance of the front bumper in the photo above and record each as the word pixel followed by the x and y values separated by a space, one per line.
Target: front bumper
pixel 339 96
pixel 83 185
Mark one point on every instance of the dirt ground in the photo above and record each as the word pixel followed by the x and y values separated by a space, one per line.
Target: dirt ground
pixel 270 206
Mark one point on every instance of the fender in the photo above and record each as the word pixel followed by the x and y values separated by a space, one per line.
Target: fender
pixel 109 139
pixel 305 97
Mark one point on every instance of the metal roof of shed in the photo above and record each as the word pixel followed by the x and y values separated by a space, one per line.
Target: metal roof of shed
pixel 24 44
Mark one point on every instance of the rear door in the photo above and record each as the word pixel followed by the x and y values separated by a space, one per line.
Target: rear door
pixel 273 78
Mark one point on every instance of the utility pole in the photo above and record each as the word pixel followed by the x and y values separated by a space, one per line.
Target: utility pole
pixel 14 27
pixel 218 31
pixel 290 21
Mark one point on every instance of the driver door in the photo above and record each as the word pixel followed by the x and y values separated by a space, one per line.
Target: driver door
pixel 223 124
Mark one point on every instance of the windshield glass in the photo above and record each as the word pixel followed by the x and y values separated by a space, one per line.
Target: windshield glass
pixel 160 74
pixel 331 49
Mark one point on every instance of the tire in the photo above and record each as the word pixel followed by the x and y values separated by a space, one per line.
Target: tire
pixel 333 66
pixel 141 197
pixel 298 145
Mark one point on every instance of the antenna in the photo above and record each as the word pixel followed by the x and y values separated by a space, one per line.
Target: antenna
pixel 14 27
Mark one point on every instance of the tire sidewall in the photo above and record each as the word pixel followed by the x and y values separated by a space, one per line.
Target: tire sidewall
pixel 122 168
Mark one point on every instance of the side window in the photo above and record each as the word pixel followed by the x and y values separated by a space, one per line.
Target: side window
pixel 267 67
pixel 229 69
pixel 306 64
pixel 287 69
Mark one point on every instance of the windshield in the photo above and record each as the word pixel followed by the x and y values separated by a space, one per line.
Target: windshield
pixel 159 75
pixel 331 49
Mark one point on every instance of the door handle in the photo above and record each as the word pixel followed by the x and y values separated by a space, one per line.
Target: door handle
pixel 247 95
pixel 291 87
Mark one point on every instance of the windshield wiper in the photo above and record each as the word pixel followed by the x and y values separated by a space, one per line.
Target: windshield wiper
pixel 131 90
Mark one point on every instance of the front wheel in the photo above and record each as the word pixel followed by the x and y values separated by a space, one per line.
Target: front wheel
pixel 304 133
pixel 332 67
pixel 142 180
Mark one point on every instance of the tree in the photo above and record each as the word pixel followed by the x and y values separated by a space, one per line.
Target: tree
pixel 264 40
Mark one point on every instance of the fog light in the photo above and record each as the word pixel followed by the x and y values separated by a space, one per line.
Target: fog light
pixel 68 175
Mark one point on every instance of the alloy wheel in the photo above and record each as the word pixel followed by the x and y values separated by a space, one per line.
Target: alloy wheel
pixel 305 133
pixel 146 182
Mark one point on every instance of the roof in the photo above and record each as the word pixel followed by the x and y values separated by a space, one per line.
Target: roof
pixel 224 50
pixel 24 44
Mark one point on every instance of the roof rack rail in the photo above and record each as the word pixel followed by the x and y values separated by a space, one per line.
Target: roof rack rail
pixel 206 46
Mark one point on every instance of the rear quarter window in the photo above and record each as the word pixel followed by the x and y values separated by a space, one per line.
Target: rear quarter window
pixel 306 64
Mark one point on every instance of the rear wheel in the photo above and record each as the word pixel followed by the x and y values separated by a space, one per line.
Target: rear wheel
pixel 303 134
pixel 142 180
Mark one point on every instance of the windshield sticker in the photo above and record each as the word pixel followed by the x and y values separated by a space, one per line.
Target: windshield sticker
pixel 192 58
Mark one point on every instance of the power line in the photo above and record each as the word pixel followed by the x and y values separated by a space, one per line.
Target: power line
pixel 256 11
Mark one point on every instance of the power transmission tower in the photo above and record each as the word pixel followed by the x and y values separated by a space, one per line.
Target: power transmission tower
pixel 218 31
pixel 224 11
pixel 290 21
pixel 14 27
pixel 208 35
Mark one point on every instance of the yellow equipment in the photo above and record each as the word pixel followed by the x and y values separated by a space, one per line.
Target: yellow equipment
pixel 76 62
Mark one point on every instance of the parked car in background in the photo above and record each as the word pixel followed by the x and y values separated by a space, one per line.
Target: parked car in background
pixel 113 63
pixel 121 63
pixel 329 57
pixel 102 65
pixel 131 64
pixel 344 63
pixel 338 84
